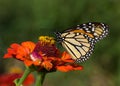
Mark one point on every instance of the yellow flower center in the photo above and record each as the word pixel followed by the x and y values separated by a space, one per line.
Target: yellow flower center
pixel 46 40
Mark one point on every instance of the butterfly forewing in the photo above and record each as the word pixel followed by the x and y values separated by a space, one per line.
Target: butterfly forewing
pixel 77 45
pixel 98 30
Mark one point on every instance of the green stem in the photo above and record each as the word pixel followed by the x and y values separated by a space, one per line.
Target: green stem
pixel 26 73
pixel 40 78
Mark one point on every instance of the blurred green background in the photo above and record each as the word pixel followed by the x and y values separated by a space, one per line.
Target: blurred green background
pixel 22 20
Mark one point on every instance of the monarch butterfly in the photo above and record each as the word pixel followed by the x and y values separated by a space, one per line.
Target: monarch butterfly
pixel 79 41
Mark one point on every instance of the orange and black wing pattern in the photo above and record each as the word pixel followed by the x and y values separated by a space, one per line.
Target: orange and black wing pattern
pixel 80 41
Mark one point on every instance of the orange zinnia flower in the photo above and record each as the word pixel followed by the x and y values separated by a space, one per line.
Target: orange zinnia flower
pixel 44 55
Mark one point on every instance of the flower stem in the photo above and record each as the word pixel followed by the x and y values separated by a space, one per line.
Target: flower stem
pixel 40 78
pixel 21 80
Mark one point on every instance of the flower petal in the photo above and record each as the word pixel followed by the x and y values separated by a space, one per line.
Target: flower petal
pixel 30 62
pixel 66 57
pixel 25 49
pixel 47 65
pixel 64 68
pixel 12 50
pixel 29 45
pixel 69 68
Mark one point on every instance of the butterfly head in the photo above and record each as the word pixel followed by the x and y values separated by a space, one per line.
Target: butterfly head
pixel 59 38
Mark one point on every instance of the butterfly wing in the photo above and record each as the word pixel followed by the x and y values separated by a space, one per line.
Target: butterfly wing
pixel 99 30
pixel 78 45
pixel 80 41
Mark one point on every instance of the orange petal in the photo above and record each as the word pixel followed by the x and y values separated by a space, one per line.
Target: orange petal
pixel 14 45
pixel 64 68
pixel 68 68
pixel 24 51
pixel 47 65
pixel 77 67
pixel 12 50
pixel 37 62
pixel 28 44
pixel 7 55
pixel 28 62
pixel 66 57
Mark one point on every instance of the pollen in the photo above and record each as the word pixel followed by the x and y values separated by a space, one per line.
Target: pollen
pixel 46 40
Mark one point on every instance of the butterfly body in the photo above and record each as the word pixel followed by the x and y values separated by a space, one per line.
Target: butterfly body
pixel 80 41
